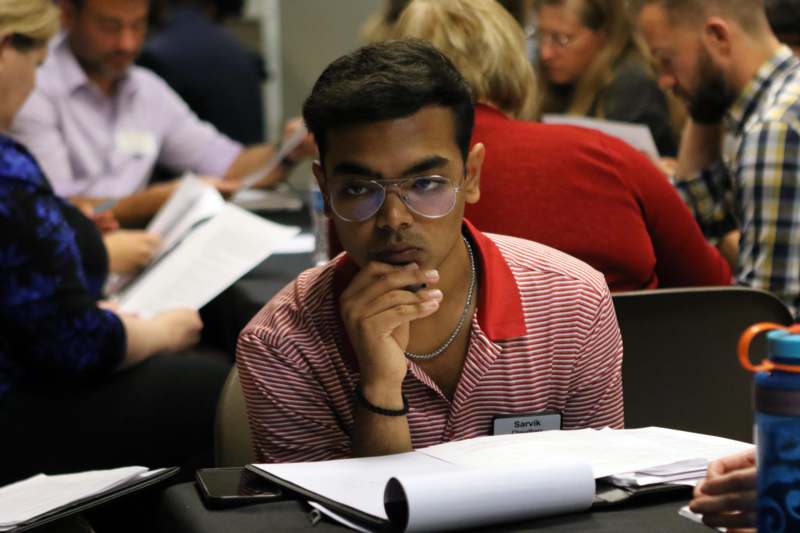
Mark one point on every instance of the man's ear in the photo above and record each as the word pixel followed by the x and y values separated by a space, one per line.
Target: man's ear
pixel 472 182
pixel 322 181
pixel 716 36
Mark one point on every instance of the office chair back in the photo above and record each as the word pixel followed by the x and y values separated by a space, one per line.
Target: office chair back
pixel 232 444
pixel 680 368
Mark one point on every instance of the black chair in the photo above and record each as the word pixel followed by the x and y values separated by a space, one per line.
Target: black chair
pixel 680 368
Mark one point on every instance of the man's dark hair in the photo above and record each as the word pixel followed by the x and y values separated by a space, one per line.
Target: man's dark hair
pixel 387 81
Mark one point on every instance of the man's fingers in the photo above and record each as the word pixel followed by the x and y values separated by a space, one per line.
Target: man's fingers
pixel 735 501
pixel 731 520
pixel 398 298
pixel 386 322
pixel 381 278
pixel 737 481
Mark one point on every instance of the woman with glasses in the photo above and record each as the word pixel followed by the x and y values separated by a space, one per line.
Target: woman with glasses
pixel 592 63
pixel 577 190
pixel 81 383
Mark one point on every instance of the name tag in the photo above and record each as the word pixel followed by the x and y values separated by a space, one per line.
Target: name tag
pixel 530 423
pixel 136 143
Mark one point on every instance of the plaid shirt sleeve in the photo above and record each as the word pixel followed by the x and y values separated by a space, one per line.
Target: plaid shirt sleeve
pixel 769 176
pixel 709 195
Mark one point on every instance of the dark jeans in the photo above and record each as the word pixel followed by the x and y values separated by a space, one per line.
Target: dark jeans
pixel 159 413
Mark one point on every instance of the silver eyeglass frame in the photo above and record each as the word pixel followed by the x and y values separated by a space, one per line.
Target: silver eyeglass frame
pixel 395 184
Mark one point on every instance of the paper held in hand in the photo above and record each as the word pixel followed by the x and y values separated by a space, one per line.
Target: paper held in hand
pixel 488 480
pixel 207 244
pixel 288 144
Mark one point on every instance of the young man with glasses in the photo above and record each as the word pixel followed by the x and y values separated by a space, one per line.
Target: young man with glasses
pixel 425 330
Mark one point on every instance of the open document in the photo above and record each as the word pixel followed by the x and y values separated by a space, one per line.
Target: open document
pixel 637 135
pixel 206 245
pixel 209 259
pixel 492 479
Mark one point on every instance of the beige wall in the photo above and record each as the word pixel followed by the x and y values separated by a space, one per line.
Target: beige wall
pixel 314 33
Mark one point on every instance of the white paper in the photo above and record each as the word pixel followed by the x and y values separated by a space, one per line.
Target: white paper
pixel 608 451
pixel 24 500
pixel 358 483
pixel 505 477
pixel 637 135
pixel 193 201
pixel 286 148
pixel 469 498
pixel 211 258
pixel 300 244
pixel 277 199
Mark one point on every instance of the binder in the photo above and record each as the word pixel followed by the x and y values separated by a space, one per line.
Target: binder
pixel 90 502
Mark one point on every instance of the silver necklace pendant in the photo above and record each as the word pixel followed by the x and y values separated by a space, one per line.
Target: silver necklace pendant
pixel 472 281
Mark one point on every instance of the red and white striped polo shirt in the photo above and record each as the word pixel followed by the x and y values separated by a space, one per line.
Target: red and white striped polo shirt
pixel 544 338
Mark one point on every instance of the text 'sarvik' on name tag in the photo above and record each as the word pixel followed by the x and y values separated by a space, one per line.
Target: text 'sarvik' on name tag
pixel 525 423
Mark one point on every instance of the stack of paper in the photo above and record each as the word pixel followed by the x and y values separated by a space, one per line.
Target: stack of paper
pixel 26 501
pixel 681 473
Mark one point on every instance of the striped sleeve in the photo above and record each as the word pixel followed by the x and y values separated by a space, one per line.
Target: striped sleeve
pixel 596 398
pixel 290 413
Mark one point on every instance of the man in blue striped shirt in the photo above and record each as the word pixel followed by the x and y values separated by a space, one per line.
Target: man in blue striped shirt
pixel 739 163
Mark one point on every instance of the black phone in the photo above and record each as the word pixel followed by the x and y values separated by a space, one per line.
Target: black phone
pixel 231 487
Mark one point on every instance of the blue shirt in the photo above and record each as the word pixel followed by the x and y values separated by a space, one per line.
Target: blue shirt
pixel 53 265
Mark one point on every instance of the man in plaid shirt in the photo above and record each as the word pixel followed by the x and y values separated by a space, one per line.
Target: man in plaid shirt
pixel 739 161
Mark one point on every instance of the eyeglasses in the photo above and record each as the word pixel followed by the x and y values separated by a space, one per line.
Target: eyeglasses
pixel 561 40
pixel 428 196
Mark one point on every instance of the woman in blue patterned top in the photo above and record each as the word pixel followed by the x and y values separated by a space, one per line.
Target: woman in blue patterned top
pixel 79 386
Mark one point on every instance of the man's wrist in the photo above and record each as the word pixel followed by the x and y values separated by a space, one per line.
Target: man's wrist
pixel 288 163
pixel 390 408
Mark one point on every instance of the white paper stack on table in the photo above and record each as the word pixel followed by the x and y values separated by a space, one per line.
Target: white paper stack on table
pixel 29 502
pixel 494 479
pixel 207 244
pixel 637 135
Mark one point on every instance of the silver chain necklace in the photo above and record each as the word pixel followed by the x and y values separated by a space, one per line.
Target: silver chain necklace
pixel 472 280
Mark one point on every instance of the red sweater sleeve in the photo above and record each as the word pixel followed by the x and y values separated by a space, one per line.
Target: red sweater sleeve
pixel 683 256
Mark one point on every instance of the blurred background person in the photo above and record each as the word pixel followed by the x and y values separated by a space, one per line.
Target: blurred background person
pixel 784 19
pixel 378 26
pixel 591 62
pixel 81 384
pixel 98 124
pixel 190 43
pixel 575 189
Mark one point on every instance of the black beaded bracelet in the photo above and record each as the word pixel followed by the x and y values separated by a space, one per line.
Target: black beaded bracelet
pixel 380 410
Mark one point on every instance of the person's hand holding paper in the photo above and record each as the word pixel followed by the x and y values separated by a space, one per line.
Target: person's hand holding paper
pixel 130 250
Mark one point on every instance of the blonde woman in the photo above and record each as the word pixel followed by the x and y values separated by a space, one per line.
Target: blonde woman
pixel 591 62
pixel 79 386
pixel 577 190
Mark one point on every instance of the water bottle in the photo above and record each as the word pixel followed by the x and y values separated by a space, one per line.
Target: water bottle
pixel 777 417
pixel 319 224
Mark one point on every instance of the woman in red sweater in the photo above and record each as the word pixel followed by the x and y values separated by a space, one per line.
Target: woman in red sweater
pixel 577 190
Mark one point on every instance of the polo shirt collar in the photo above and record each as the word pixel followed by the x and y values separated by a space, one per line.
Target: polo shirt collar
pixel 748 100
pixel 499 303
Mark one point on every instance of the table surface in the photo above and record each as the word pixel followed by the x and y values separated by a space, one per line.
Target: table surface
pixel 182 511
